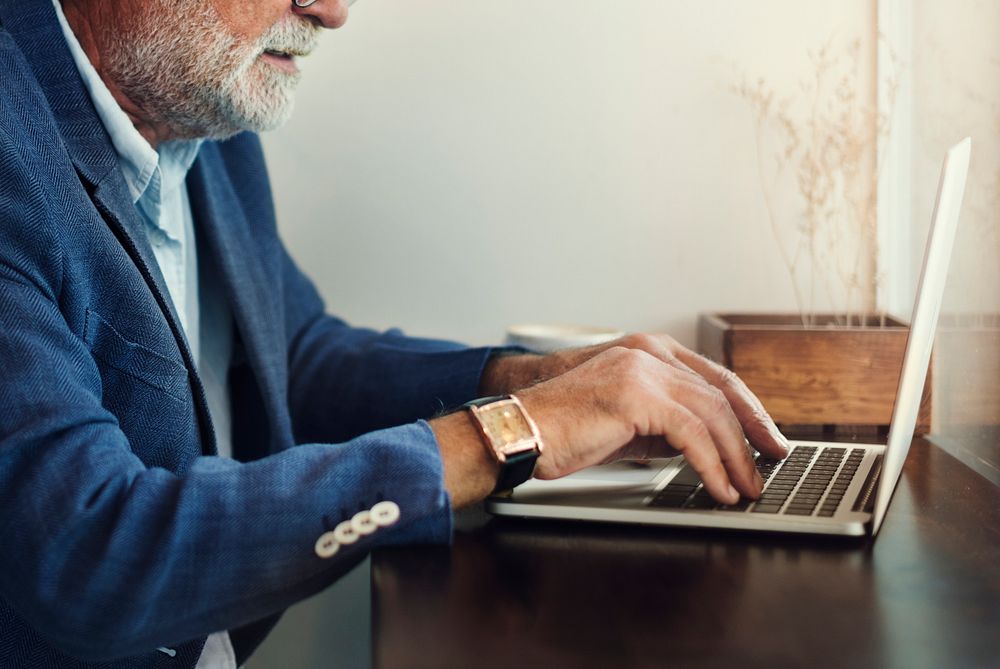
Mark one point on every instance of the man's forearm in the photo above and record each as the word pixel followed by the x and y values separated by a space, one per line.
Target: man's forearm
pixel 504 374
pixel 470 472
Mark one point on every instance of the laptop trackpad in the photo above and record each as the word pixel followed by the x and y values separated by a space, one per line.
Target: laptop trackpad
pixel 630 472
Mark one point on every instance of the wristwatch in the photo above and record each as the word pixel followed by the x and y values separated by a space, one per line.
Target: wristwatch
pixel 510 435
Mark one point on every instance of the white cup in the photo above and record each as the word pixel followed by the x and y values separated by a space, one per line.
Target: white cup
pixel 542 338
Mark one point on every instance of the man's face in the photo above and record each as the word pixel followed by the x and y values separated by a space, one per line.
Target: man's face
pixel 212 68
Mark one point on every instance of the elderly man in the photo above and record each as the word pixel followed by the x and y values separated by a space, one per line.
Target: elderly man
pixel 188 444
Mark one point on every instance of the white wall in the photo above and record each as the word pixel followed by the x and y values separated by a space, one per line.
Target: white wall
pixel 455 166
pixel 957 93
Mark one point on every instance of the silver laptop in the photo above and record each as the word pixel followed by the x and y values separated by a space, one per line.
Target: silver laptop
pixel 821 487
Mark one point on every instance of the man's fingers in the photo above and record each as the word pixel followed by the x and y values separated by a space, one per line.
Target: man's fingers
pixel 757 424
pixel 688 434
pixel 643 449
pixel 715 411
pixel 754 419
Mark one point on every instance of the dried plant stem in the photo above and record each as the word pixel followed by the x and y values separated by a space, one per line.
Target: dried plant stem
pixel 830 147
pixel 773 220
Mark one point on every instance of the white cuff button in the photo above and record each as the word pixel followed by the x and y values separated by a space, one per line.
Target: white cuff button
pixel 385 514
pixel 345 533
pixel 363 524
pixel 327 545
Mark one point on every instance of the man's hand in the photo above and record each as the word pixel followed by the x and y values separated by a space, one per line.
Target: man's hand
pixel 699 404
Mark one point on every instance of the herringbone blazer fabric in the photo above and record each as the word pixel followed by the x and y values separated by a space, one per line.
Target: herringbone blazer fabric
pixel 119 531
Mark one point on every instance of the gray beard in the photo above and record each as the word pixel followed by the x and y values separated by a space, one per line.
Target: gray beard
pixel 179 64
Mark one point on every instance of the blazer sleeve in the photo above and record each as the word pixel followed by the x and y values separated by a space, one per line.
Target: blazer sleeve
pixel 345 381
pixel 109 558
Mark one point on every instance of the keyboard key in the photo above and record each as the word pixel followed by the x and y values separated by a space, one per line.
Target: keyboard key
pixel 742 505
pixel 669 501
pixel 766 508
pixel 801 505
pixel 701 500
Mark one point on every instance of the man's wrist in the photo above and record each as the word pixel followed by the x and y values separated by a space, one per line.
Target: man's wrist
pixel 470 470
pixel 510 435
pixel 508 370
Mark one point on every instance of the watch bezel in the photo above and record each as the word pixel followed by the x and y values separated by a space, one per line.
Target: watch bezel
pixel 531 443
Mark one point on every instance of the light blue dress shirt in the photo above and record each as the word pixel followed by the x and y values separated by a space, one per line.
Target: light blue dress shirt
pixel 155 178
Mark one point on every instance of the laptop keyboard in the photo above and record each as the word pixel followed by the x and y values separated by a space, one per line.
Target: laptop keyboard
pixel 795 486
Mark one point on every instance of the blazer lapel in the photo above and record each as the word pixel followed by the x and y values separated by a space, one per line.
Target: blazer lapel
pixel 35 27
pixel 112 201
pixel 222 223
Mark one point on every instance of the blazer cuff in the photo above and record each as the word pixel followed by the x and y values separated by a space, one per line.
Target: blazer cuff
pixel 436 526
pixel 459 378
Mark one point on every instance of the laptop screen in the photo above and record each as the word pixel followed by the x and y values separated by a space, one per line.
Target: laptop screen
pixel 926 309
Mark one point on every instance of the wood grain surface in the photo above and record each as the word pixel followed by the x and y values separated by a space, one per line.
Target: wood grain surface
pixel 517 593
pixel 817 375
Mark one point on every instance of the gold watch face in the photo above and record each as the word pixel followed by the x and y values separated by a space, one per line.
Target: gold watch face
pixel 504 424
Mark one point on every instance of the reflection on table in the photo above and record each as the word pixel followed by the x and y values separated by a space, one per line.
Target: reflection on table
pixel 517 593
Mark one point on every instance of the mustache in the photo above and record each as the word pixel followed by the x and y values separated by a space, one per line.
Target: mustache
pixel 295 35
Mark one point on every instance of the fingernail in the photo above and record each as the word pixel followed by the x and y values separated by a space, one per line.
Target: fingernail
pixel 733 495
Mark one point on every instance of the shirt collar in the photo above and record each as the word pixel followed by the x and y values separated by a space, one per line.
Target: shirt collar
pixel 142 166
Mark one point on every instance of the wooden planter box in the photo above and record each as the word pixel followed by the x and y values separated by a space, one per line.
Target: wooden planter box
pixel 823 375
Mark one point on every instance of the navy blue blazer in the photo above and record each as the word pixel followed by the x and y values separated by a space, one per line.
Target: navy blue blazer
pixel 119 531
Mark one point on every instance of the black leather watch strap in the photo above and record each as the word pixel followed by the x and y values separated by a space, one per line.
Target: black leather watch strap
pixel 516 470
pixel 483 401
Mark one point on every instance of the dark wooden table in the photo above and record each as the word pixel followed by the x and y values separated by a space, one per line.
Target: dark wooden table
pixel 515 593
